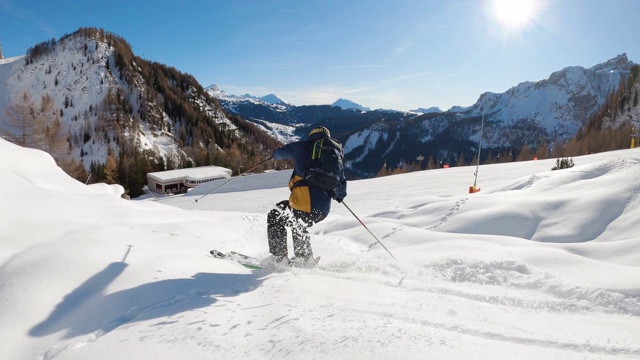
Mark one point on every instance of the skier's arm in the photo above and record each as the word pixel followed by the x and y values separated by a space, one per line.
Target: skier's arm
pixel 341 189
pixel 284 152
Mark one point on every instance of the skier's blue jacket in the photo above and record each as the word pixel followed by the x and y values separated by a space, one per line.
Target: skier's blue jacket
pixel 303 197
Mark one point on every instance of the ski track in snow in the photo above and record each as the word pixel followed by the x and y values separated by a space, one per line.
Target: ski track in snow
pixel 424 288
pixel 468 278
pixel 419 287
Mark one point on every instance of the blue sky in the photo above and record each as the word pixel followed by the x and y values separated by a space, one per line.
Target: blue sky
pixel 398 54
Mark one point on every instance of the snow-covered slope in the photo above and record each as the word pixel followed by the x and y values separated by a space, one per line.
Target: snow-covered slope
pixel 110 101
pixel 538 264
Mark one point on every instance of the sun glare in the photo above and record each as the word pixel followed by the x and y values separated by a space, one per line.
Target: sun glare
pixel 514 13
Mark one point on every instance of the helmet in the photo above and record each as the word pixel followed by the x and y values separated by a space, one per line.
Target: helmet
pixel 320 129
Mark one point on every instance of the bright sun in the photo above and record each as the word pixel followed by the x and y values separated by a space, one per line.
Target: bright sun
pixel 514 13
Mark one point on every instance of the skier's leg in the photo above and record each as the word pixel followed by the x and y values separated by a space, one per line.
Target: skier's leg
pixel 301 239
pixel 276 230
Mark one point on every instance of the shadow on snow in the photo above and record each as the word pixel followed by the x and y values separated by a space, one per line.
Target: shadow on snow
pixel 87 309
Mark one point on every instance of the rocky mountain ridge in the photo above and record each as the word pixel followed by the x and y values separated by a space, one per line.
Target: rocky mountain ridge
pixel 528 114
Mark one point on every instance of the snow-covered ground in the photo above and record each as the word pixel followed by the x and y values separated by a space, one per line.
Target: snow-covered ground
pixel 539 264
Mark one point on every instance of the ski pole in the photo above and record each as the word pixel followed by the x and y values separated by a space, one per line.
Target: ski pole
pixel 233 178
pixel 365 226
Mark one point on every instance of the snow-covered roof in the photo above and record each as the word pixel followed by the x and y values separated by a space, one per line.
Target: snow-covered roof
pixel 196 173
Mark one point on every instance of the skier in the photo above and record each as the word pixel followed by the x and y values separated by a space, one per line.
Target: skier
pixel 306 206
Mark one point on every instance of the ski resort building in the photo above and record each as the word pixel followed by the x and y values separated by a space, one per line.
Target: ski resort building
pixel 179 181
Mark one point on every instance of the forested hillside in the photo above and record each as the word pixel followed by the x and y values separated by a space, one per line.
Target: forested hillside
pixel 112 116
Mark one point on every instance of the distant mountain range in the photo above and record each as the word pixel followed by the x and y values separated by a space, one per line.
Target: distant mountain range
pixel 527 114
pixel 111 101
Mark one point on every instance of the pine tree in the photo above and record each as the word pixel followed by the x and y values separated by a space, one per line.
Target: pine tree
pixel 563 164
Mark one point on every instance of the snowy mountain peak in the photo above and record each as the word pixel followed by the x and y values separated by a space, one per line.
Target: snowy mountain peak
pixel 620 62
pixel 348 104
pixel 214 89
pixel 274 99
pixel 271 99
pixel 458 108
pixel 430 110
pixel 555 107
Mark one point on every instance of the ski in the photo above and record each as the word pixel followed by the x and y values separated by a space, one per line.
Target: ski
pixel 244 260
pixel 256 264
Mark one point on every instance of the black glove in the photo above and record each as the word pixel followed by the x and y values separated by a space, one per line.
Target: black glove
pixel 339 199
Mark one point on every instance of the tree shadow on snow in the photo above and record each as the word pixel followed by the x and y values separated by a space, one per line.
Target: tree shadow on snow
pixel 87 309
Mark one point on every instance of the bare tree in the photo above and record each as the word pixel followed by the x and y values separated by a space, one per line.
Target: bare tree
pixel 111 170
pixel 22 122
pixel 53 139
pixel 35 127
